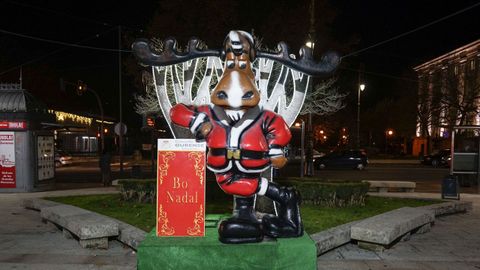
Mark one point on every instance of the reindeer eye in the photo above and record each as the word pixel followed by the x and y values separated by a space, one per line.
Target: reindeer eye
pixel 242 64
pixel 222 95
pixel 230 64
pixel 248 95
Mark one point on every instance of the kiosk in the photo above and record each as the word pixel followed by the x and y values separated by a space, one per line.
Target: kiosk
pixel 27 159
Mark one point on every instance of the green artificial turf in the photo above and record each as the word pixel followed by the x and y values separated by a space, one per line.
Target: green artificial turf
pixel 316 218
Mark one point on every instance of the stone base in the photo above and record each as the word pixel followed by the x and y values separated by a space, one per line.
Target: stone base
pixel 209 253
pixel 371 246
pixel 424 229
pixel 101 243
pixel 67 234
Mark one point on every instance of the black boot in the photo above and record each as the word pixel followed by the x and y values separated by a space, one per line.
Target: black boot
pixel 288 223
pixel 243 226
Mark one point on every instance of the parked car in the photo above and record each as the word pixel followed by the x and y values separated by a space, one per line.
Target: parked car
pixel 62 158
pixel 438 158
pixel 350 159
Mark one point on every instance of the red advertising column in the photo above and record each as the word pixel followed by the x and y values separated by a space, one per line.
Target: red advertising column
pixel 180 188
pixel 7 160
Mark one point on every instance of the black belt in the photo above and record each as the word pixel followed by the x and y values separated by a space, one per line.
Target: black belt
pixel 235 153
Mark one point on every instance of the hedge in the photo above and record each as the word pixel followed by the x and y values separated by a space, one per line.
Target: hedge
pixel 138 190
pixel 312 190
pixel 329 193
pixel 144 190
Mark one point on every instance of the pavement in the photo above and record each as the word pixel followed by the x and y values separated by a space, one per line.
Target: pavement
pixel 453 243
pixel 27 243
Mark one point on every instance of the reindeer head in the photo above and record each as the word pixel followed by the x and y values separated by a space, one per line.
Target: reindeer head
pixel 236 90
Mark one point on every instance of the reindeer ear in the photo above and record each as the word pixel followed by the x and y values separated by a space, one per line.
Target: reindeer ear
pixel 253 53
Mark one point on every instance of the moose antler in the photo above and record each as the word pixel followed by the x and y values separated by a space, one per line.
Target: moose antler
pixel 169 55
pixel 305 62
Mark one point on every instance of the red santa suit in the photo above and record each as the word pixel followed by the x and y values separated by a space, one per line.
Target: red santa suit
pixel 238 151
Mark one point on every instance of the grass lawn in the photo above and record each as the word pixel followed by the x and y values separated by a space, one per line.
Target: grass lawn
pixel 315 218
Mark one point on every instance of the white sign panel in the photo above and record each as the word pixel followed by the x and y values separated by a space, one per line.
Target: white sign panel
pixel 7 160
pixel 45 157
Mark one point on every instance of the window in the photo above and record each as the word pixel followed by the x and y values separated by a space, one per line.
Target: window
pixel 455 70
pixel 472 64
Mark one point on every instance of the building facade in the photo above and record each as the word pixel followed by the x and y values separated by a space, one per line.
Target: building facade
pixel 81 134
pixel 448 95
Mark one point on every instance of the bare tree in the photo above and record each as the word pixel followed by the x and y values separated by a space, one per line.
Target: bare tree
pixel 324 99
pixel 147 104
pixel 461 98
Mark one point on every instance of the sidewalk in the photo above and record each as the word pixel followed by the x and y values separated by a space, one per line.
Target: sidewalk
pixel 27 243
pixel 453 243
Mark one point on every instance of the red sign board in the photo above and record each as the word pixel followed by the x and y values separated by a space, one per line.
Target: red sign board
pixel 7 160
pixel 13 125
pixel 180 188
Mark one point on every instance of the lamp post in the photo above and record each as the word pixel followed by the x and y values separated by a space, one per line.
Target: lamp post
pixel 302 147
pixel 361 87
pixel 81 88
pixel 310 43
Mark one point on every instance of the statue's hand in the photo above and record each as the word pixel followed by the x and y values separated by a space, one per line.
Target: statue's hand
pixel 278 162
pixel 205 128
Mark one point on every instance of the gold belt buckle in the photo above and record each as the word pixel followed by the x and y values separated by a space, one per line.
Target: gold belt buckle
pixel 233 153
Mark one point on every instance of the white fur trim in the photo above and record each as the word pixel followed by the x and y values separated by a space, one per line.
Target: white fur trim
pixel 275 152
pixel 200 119
pixel 236 131
pixel 263 187
pixel 229 166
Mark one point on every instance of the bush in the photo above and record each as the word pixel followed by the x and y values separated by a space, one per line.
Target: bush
pixel 329 193
pixel 313 191
pixel 145 191
pixel 138 190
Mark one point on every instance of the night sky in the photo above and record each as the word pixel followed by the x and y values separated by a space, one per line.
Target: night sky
pixel 341 25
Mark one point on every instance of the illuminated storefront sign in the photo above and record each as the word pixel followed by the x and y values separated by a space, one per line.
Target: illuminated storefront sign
pixel 64 116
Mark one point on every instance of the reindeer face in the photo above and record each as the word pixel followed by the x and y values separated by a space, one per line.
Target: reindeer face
pixel 236 89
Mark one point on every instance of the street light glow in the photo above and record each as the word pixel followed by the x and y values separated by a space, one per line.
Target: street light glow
pixel 297 124
pixel 390 132
pixel 362 87
pixel 309 44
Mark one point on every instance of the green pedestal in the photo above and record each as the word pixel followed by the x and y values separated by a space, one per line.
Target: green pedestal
pixel 209 253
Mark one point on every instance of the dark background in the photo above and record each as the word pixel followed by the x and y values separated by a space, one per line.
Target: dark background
pixel 340 25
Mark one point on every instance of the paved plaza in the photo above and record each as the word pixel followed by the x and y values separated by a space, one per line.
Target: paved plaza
pixel 27 243
pixel 453 243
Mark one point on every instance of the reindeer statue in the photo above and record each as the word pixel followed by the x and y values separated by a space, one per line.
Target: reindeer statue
pixel 243 137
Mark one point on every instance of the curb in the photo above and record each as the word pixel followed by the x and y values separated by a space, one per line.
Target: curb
pixel 340 235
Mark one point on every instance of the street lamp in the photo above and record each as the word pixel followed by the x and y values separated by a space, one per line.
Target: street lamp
pixel 388 133
pixel 302 146
pixel 361 87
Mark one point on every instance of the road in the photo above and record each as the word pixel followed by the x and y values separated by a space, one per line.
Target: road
pixel 428 179
pixel 87 174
